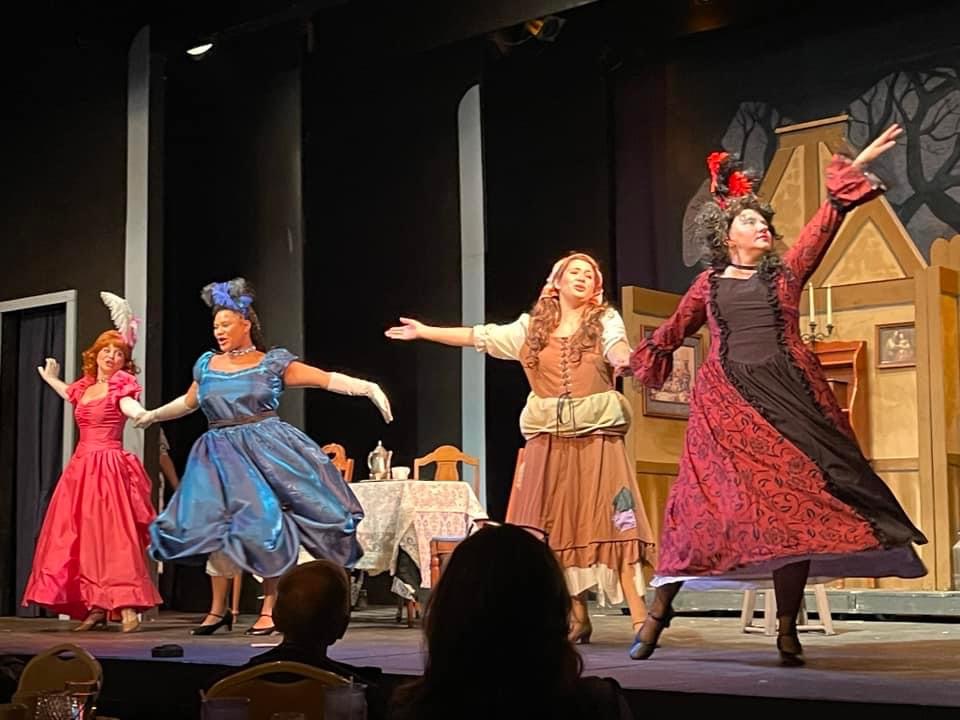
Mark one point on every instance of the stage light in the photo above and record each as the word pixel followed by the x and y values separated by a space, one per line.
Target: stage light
pixel 546 28
pixel 198 52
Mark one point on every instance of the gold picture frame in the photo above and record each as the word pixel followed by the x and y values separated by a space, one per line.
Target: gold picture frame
pixel 672 400
pixel 896 345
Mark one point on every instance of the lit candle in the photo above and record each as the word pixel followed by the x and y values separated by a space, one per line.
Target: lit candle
pixel 813 308
pixel 829 304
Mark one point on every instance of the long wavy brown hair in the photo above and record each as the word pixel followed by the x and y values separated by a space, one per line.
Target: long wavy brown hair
pixel 545 316
pixel 110 337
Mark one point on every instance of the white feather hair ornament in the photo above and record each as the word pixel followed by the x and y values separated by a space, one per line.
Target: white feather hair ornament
pixel 123 318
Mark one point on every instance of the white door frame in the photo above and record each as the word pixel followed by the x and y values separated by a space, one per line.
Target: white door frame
pixel 68 298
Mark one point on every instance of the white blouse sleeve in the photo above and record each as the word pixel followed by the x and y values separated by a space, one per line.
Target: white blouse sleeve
pixel 502 341
pixel 613 330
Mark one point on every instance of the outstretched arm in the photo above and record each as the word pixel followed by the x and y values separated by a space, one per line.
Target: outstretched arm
pixel 652 361
pixel 848 185
pixel 410 329
pixel 619 357
pixel 300 374
pixel 183 405
pixel 50 372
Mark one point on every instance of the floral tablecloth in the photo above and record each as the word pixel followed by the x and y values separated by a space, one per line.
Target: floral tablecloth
pixel 407 515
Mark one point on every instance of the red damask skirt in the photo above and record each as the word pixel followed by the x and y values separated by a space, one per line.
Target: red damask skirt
pixel 766 479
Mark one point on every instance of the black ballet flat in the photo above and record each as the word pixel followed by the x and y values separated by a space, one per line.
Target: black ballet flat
pixel 261 631
pixel 641 650
pixel 791 652
pixel 224 621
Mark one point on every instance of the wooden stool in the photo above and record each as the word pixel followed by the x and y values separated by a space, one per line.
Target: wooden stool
pixel 769 626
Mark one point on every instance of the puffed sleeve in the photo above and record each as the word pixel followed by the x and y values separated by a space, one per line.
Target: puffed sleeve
pixel 76 389
pixel 613 330
pixel 277 360
pixel 502 341
pixel 123 384
pixel 652 361
pixel 200 365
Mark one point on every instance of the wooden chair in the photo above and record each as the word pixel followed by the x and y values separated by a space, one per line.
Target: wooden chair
pixel 338 456
pixel 53 669
pixel 442 547
pixel 446 458
pixel 269 692
pixel 769 626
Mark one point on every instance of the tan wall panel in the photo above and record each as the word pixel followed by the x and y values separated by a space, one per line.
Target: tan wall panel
pixel 951 371
pixel 868 259
pixel 892 392
pixel 905 484
pixel 953 502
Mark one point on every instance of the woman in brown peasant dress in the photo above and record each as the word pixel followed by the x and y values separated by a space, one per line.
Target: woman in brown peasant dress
pixel 576 483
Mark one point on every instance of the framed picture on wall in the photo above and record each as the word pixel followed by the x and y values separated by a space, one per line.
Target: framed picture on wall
pixel 896 345
pixel 672 400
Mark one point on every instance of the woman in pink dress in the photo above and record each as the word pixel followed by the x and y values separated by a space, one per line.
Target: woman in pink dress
pixel 90 560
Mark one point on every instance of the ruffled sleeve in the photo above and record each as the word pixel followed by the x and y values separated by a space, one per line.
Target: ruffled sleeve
pixel 613 330
pixel 277 360
pixel 502 341
pixel 652 361
pixel 847 187
pixel 123 384
pixel 201 365
pixel 76 389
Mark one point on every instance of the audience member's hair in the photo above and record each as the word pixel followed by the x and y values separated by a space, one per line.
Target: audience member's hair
pixel 313 603
pixel 496 633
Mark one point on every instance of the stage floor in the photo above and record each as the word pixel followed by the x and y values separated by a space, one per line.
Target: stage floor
pixel 865 662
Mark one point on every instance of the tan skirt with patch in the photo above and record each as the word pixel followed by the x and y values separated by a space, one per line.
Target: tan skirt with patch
pixel 578 490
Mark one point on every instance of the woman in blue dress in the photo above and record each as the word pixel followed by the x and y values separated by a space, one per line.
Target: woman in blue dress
pixel 255 488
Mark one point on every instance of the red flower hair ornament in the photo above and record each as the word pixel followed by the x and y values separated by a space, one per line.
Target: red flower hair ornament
pixel 727 180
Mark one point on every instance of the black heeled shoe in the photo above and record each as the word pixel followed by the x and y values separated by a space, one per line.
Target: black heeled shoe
pixel 790 649
pixel 261 631
pixel 580 632
pixel 226 620
pixel 641 649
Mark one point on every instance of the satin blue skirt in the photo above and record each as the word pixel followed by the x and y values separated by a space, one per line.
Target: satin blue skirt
pixel 255 492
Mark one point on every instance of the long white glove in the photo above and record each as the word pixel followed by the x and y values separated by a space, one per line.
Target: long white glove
pixel 346 385
pixel 171 411
pixel 131 408
pixel 50 372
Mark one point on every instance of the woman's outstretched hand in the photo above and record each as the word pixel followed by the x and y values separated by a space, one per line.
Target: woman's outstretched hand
pixel 883 142
pixel 408 329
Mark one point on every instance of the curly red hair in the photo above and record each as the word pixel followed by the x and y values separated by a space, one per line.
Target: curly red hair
pixel 110 337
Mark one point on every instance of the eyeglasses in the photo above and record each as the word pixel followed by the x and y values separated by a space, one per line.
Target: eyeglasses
pixel 538 533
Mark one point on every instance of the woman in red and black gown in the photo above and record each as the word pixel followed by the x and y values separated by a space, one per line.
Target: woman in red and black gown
pixel 771 479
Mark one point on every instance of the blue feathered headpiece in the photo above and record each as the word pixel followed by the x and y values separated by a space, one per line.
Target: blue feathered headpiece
pixel 236 295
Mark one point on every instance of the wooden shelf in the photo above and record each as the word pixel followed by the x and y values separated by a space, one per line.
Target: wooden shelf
pixel 845 366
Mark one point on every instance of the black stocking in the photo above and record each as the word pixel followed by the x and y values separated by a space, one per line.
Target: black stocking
pixel 788 584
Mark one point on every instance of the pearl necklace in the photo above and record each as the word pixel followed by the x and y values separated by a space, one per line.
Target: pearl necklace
pixel 242 351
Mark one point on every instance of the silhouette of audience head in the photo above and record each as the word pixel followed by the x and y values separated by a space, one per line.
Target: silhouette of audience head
pixel 501 606
pixel 313 603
